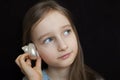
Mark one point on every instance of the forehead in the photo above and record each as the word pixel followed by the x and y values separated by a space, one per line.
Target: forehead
pixel 54 17
pixel 52 21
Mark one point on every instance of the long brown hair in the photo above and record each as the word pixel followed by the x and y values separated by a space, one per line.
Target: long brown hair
pixel 35 15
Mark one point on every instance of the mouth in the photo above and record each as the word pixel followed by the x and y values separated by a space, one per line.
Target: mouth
pixel 65 56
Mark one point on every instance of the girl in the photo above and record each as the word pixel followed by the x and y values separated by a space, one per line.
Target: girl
pixel 49 26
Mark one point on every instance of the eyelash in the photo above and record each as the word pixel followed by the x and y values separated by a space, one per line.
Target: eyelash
pixel 68 30
pixel 51 38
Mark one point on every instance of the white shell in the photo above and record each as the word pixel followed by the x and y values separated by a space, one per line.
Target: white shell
pixel 30 49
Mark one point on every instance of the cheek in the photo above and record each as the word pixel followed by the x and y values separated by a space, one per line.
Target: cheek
pixel 74 45
pixel 48 58
pixel 75 42
pixel 72 42
pixel 47 53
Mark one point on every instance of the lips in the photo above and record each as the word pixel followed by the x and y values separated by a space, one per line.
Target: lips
pixel 64 56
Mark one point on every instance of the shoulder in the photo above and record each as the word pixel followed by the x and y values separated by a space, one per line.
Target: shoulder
pixel 92 74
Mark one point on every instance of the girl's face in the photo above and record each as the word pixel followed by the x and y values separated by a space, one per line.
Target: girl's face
pixel 55 40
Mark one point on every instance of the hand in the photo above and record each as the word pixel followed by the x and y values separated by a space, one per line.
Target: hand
pixel 32 73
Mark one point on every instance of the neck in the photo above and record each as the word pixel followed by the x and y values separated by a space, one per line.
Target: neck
pixel 57 73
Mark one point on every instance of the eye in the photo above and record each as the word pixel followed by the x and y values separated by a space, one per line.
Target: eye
pixel 47 40
pixel 67 32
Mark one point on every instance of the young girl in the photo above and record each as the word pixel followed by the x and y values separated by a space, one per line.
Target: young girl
pixel 49 26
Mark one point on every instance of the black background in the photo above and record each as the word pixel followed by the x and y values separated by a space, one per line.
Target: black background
pixel 97 23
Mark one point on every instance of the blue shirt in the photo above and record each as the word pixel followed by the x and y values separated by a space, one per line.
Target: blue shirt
pixel 45 76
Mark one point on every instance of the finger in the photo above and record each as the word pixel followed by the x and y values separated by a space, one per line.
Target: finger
pixel 38 63
pixel 22 60
pixel 28 61
pixel 17 60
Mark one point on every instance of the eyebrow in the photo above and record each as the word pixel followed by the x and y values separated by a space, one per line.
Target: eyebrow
pixel 68 25
pixel 46 34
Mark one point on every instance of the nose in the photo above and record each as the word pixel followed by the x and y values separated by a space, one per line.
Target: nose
pixel 62 46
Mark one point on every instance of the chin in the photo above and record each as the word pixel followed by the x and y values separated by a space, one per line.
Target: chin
pixel 66 64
